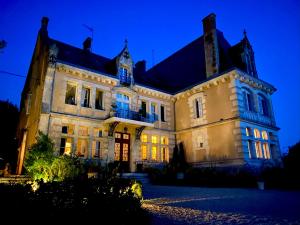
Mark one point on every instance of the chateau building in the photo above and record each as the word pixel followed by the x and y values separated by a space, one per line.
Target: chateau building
pixel 207 96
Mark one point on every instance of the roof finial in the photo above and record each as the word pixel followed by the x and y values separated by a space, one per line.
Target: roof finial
pixel 126 42
pixel 245 33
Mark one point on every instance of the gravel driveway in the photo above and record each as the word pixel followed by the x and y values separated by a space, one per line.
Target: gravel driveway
pixel 193 205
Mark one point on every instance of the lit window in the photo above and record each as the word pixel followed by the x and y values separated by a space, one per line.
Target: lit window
pixel 85 97
pixel 162 113
pixel 126 136
pixel 264 135
pixel 165 154
pixel 82 147
pixel 144 152
pixel 198 108
pixel 258 150
pixel 153 153
pixel 249 145
pixel 83 131
pixel 266 150
pixel 99 100
pixel 96 149
pixel 70 94
pixel 97 132
pixel 248 131
pixel 117 151
pixel 144 138
pixel 164 140
pixel 125 152
pixel 66 146
pixel 117 135
pixel 256 133
pixel 154 139
pixel 122 102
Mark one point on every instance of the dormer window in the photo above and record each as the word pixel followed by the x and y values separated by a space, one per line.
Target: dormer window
pixel 124 76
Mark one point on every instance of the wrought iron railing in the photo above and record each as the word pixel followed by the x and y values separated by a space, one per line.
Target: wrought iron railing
pixel 133 115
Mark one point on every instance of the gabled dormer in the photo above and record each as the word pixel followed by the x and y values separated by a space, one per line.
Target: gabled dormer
pixel 242 56
pixel 124 65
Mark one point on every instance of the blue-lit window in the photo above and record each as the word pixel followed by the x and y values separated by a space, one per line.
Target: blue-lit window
pixel 124 76
pixel 122 102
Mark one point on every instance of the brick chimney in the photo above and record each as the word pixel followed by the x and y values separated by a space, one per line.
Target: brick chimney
pixel 140 67
pixel 87 44
pixel 211 45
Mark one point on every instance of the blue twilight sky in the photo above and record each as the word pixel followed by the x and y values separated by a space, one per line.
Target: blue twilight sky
pixel 155 29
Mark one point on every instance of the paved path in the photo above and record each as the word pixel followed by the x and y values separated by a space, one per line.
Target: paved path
pixel 171 205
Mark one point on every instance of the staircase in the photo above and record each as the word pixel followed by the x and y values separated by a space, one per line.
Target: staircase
pixel 142 177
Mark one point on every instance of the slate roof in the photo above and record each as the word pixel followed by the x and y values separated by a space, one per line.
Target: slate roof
pixel 183 69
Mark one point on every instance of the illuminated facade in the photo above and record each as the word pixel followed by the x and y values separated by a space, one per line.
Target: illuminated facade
pixel 207 95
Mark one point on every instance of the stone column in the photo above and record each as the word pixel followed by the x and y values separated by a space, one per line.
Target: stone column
pixel 111 149
pixel 135 154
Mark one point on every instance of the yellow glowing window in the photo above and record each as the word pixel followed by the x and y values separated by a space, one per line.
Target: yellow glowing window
pixel 117 135
pixel 82 147
pixel 258 150
pixel 125 152
pixel 153 153
pixel 125 136
pixel 83 131
pixel 248 131
pixel 144 152
pixel 68 148
pixel 144 138
pixel 249 144
pixel 256 133
pixel 266 151
pixel 97 132
pixel 154 139
pixel 164 154
pixel 164 140
pixel 117 151
pixel 264 135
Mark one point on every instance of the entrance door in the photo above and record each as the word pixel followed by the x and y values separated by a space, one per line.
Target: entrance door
pixel 122 150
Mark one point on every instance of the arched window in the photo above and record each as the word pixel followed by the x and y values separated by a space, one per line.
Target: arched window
pixel 248 131
pixel 248 99
pixel 256 133
pixel 122 102
pixel 264 135
pixel 263 105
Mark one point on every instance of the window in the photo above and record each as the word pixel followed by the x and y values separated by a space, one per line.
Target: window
pixel 248 131
pixel 28 103
pixel 165 154
pixel 144 109
pixel 144 138
pixel 82 147
pixel 70 94
pixel 117 151
pixel 65 146
pixel 153 108
pixel 256 133
pixel 144 152
pixel 164 140
pixel 263 105
pixel 96 149
pixel 248 100
pixel 99 100
pixel 97 132
pixel 198 107
pixel 249 145
pixel 124 76
pixel 162 113
pixel 85 97
pixel 258 150
pixel 83 131
pixel 266 150
pixel 154 139
pixel 122 102
pixel 67 129
pixel 153 153
pixel 264 135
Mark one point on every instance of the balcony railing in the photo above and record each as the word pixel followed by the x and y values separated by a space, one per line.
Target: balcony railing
pixel 256 117
pixel 133 115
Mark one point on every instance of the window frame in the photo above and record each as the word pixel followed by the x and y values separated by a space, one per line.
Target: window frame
pixel 73 101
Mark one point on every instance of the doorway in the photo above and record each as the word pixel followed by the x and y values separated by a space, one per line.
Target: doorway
pixel 122 151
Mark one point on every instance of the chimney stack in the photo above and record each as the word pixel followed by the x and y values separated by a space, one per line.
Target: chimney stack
pixel 44 23
pixel 211 45
pixel 140 67
pixel 87 44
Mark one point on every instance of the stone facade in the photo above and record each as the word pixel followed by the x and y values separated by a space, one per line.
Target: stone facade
pixel 224 120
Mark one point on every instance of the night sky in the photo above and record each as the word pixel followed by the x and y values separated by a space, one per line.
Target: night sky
pixel 155 30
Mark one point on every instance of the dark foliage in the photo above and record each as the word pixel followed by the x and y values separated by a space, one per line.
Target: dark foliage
pixel 8 119
pixel 108 201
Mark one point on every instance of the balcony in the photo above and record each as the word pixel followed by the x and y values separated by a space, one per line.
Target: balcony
pixel 133 117
pixel 256 117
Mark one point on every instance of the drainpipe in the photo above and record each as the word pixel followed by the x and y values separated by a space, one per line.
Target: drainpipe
pixel 51 98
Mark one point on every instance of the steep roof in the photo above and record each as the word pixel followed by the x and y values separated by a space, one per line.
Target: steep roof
pixel 184 68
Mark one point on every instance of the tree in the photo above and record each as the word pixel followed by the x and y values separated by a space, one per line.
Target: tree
pixel 292 159
pixel 42 165
pixel 9 114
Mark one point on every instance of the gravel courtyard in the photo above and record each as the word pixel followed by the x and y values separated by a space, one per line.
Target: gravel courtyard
pixel 193 205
